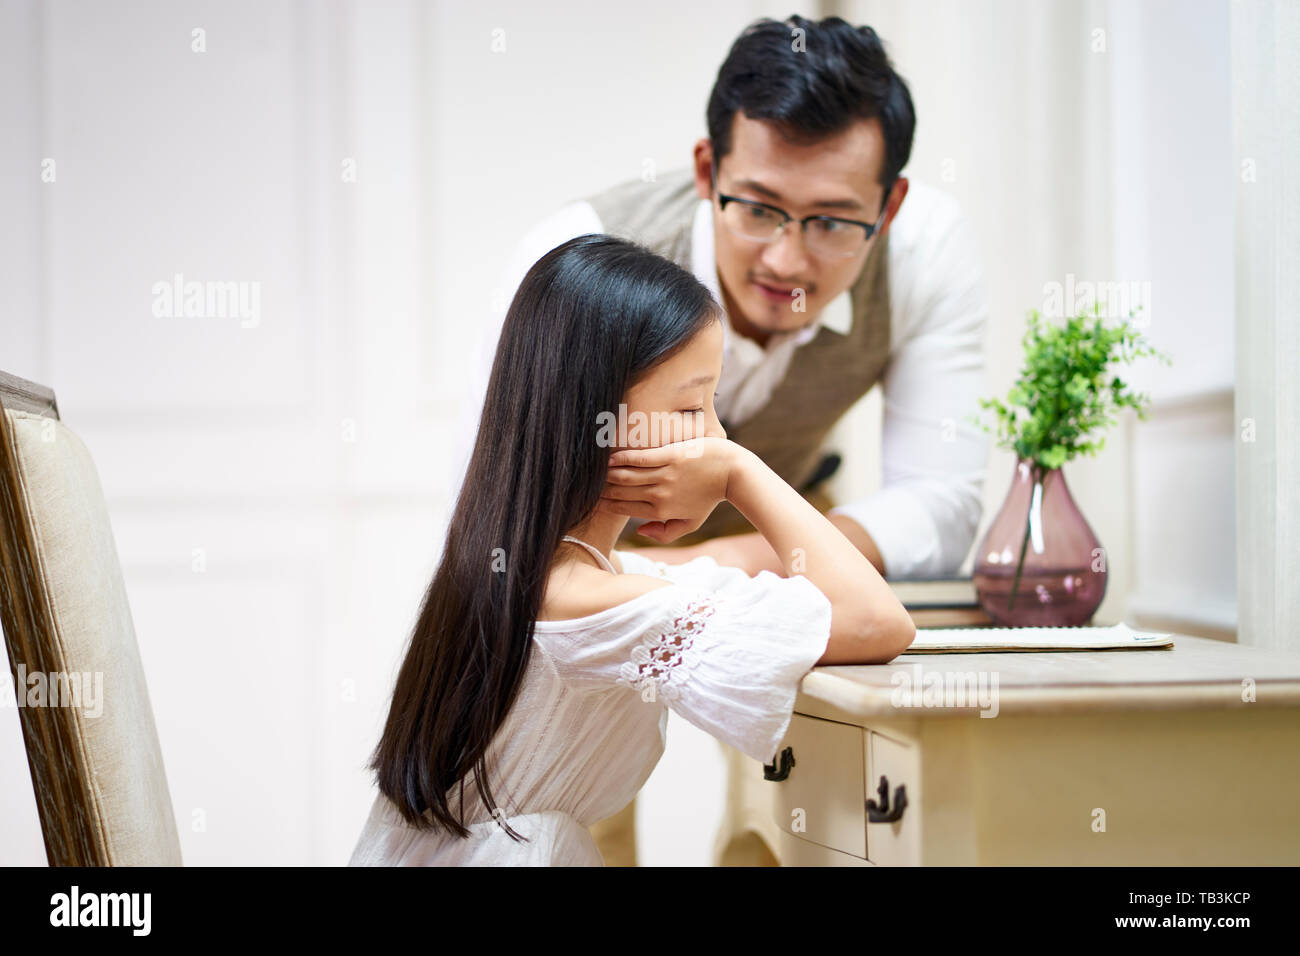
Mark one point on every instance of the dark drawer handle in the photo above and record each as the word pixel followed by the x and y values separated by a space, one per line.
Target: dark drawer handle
pixel 880 812
pixel 786 761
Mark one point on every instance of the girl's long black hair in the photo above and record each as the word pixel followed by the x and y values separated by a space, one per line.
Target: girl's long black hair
pixel 591 317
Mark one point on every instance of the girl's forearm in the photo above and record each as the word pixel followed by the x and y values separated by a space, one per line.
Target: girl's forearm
pixel 807 543
pixel 804 540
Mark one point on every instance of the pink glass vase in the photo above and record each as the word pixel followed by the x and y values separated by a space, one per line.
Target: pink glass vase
pixel 1039 564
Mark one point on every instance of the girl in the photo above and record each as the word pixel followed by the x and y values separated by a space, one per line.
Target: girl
pixel 533 697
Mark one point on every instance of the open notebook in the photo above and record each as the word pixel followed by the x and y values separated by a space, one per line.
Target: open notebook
pixel 1117 637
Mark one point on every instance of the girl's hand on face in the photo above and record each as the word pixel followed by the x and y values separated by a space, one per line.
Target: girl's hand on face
pixel 673 487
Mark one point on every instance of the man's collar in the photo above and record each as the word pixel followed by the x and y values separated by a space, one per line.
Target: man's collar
pixel 837 316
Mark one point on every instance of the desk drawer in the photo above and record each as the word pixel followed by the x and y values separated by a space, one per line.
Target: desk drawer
pixel 822 798
pixel 898 767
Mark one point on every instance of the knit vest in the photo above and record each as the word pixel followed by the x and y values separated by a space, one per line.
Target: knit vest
pixel 826 376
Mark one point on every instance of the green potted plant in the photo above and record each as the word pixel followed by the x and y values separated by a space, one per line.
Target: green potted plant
pixel 1039 564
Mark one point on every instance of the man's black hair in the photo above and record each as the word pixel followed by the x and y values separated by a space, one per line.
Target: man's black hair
pixel 812 86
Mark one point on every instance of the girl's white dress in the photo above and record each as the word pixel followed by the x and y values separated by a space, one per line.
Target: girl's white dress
pixel 723 650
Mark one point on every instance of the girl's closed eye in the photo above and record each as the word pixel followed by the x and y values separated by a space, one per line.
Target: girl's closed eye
pixel 700 409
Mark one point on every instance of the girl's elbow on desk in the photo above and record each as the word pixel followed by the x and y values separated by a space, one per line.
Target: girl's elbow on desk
pixel 861 639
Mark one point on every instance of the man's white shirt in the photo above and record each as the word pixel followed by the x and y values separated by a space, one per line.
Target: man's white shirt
pixel 924 517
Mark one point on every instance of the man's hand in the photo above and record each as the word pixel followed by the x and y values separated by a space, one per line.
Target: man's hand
pixel 861 540
pixel 749 552
pixel 671 555
pixel 673 487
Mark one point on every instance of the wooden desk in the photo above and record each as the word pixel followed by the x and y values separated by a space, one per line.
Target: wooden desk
pixel 1135 757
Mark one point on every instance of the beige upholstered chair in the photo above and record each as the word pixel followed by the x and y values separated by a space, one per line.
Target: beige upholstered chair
pixel 100 785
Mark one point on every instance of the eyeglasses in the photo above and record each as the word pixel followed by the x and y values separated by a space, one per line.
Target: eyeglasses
pixel 829 236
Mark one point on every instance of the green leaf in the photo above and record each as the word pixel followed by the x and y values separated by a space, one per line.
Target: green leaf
pixel 1065 392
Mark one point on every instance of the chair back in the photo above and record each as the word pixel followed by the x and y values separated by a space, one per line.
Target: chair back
pixel 88 726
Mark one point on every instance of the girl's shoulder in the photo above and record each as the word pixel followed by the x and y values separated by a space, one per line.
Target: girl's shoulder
pixel 589 592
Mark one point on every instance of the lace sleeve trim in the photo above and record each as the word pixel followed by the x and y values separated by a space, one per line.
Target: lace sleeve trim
pixel 665 654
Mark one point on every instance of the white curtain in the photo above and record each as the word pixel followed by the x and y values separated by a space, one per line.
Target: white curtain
pixel 1266 90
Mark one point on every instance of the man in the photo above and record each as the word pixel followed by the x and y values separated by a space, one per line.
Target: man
pixel 791 213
